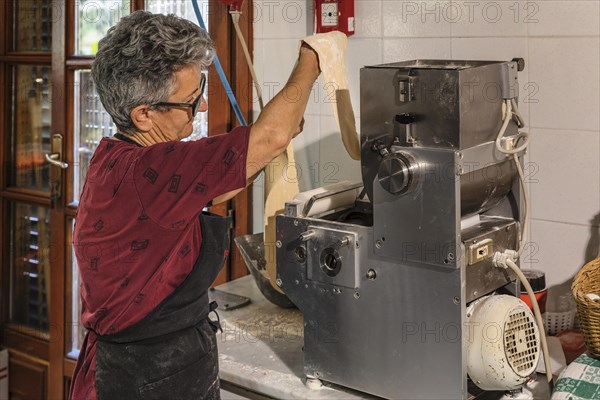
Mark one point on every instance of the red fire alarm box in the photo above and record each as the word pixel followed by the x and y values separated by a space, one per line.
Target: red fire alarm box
pixel 235 5
pixel 334 15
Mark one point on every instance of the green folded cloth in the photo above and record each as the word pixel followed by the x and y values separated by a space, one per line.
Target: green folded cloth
pixel 579 381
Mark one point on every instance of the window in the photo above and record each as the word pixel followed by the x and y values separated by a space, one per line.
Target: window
pixel 184 9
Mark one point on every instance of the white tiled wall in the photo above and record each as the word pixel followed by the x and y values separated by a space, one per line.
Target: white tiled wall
pixel 560 97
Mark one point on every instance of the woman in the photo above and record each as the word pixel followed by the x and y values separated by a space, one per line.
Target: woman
pixel 146 252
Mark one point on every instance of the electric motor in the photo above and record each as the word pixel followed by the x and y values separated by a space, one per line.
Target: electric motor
pixel 503 346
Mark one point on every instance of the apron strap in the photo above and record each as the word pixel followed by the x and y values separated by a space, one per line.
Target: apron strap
pixel 216 325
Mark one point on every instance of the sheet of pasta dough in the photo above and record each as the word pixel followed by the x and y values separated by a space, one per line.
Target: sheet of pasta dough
pixel 331 48
pixel 281 183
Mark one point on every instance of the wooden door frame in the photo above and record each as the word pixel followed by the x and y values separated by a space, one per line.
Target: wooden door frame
pixel 242 203
pixel 24 344
pixel 4 273
pixel 57 217
pixel 221 118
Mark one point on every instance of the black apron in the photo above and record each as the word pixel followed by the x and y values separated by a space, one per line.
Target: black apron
pixel 171 354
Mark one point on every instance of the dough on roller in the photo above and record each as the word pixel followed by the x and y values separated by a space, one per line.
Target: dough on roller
pixel 279 188
pixel 331 48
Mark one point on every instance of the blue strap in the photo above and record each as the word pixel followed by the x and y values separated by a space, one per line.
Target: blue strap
pixel 224 81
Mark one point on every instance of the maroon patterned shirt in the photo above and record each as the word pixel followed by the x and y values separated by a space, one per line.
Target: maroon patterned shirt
pixel 137 232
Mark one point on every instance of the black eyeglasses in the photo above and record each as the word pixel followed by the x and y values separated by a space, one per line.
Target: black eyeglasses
pixel 195 105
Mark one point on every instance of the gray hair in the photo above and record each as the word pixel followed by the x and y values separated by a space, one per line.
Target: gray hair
pixel 137 59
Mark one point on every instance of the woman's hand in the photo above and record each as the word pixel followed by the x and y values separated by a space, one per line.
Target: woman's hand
pixel 308 52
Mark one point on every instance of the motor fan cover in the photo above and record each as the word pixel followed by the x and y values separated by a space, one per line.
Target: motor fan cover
pixel 503 342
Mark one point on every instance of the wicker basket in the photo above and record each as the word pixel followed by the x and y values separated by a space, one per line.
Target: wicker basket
pixel 588 281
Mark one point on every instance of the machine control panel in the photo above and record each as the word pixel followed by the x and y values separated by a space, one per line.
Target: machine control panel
pixel 480 242
pixel 480 250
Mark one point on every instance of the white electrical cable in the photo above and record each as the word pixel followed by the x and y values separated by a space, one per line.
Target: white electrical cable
pixel 507 258
pixel 538 316
pixel 508 116
pixel 235 17
pixel 520 120
pixel 526 202
pixel 510 108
